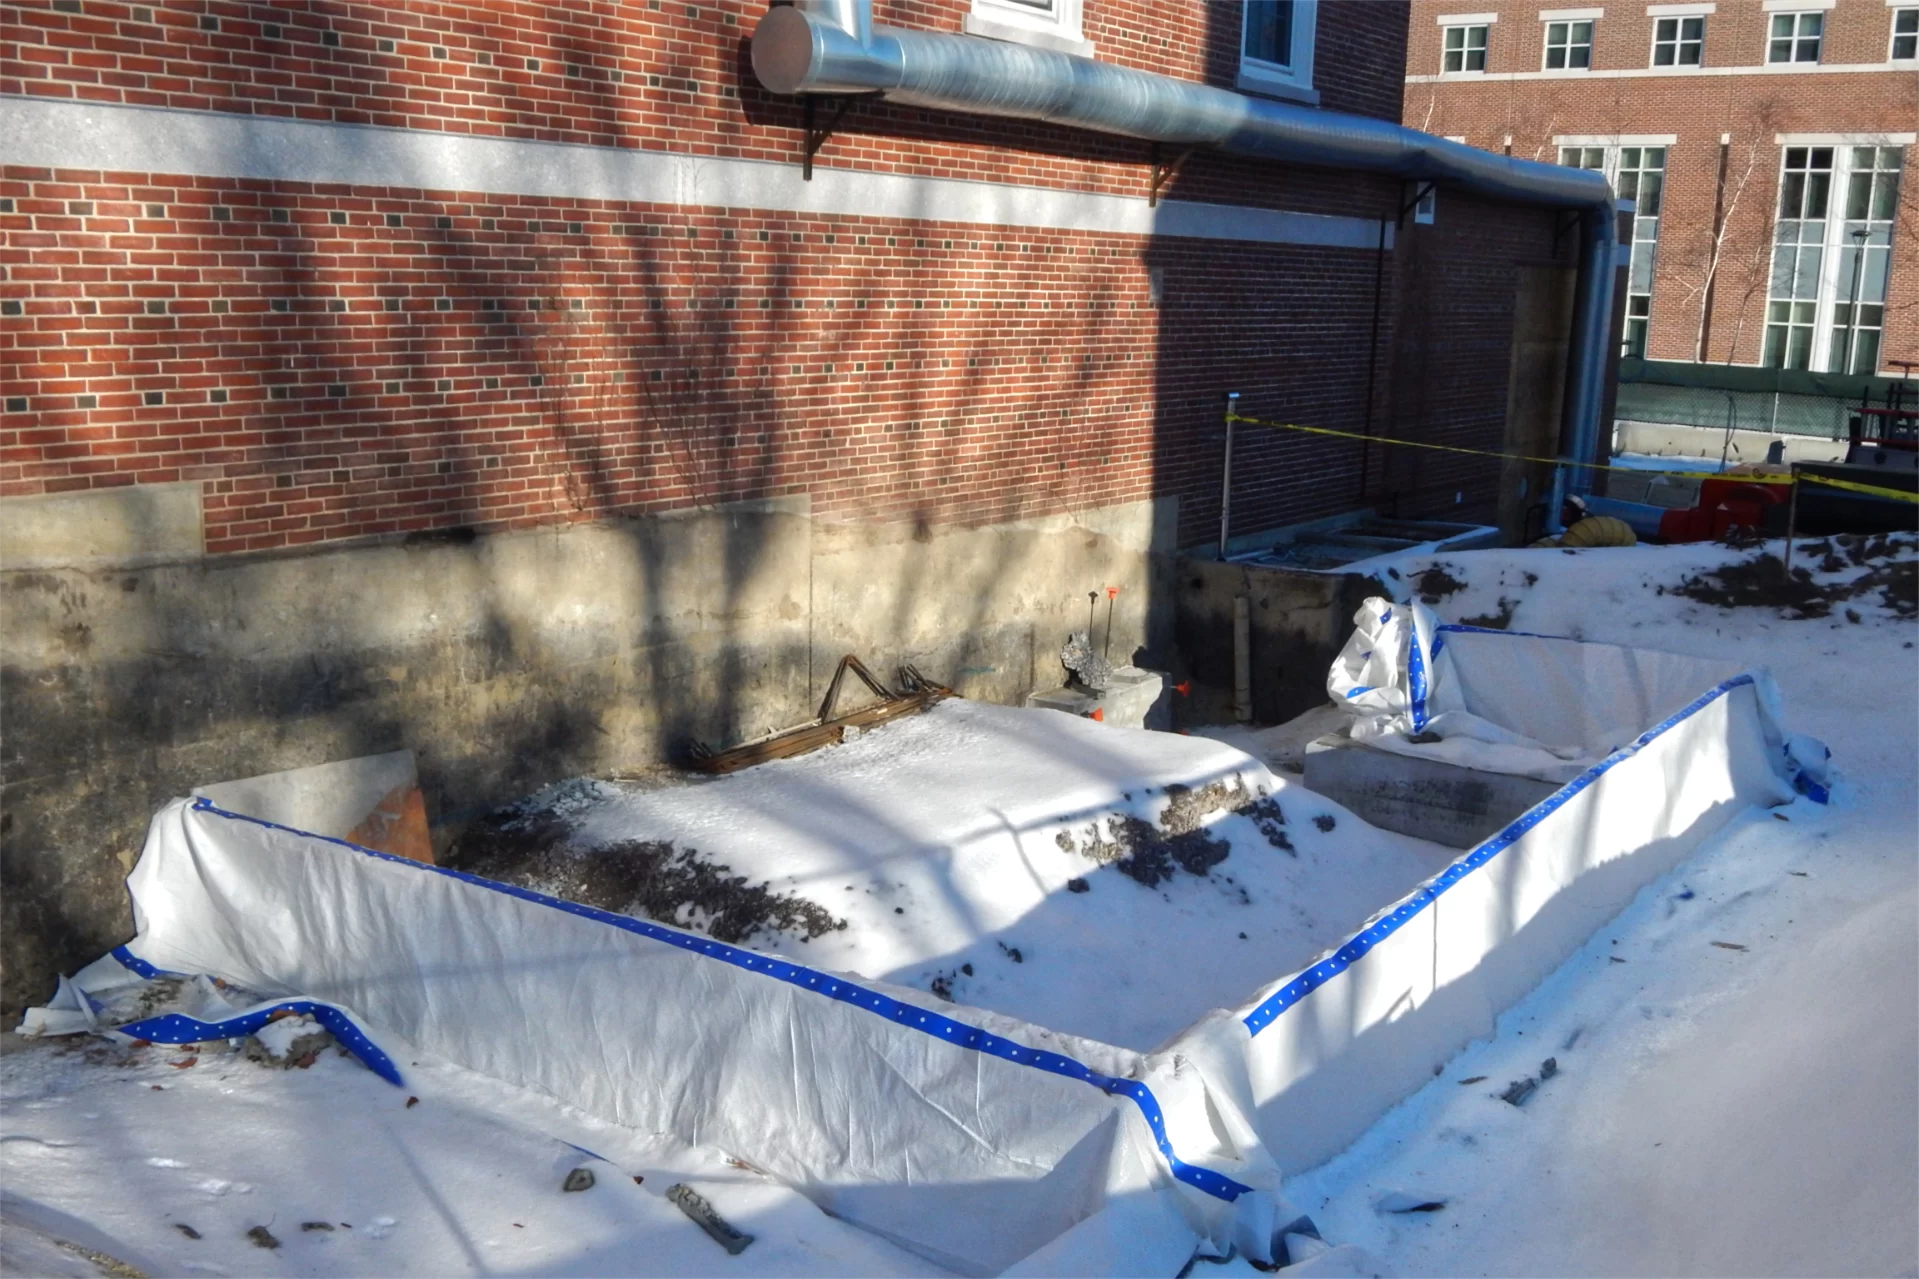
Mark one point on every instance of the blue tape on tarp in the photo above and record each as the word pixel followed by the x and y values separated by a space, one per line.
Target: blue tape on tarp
pixel 140 967
pixel 1356 946
pixel 927 1022
pixel 178 1028
pixel 1416 672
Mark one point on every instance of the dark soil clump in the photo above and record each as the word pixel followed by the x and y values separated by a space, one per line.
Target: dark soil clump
pixel 1436 583
pixel 649 879
pixel 1495 621
pixel 1763 582
pixel 1152 854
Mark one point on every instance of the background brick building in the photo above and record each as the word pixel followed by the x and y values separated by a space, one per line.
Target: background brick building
pixel 1765 140
pixel 486 379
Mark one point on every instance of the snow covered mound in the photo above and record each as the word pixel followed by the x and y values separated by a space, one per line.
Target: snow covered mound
pixel 1106 882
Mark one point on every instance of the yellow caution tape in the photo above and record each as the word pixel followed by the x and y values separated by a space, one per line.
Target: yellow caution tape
pixel 1877 491
pixel 1874 489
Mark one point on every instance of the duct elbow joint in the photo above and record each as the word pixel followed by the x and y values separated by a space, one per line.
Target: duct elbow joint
pixel 823 47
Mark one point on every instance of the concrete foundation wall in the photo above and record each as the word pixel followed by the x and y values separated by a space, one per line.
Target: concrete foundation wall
pixel 1299 621
pixel 503 661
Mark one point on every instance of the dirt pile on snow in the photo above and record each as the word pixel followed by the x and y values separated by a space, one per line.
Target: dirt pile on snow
pixel 527 846
pixel 1823 576
pixel 1151 853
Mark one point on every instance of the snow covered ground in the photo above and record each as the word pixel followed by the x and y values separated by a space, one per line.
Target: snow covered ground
pixel 109 1155
pixel 1736 1058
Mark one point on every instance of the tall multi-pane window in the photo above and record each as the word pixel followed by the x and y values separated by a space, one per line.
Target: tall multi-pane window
pixel 1905 35
pixel 1569 45
pixel 1678 42
pixel 1638 173
pixel 1795 37
pixel 1464 48
pixel 1863 258
pixel 1798 257
pixel 1832 248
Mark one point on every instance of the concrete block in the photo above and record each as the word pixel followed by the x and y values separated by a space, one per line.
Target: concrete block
pixel 1136 698
pixel 137 524
pixel 1424 798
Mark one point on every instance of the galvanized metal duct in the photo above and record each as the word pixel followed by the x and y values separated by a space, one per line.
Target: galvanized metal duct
pixel 832 47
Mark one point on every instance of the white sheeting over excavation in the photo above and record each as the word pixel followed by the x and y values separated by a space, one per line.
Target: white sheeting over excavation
pixel 979 1141
pixel 970 1138
pixel 1684 745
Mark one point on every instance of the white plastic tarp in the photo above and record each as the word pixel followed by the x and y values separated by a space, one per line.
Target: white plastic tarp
pixel 972 1139
pixel 1542 706
pixel 1315 1058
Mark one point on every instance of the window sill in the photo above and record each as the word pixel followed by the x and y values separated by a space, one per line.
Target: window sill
pixel 1059 42
pixel 1272 87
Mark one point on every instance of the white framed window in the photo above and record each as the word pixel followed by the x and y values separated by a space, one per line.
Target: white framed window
pixel 1905 35
pixel 1463 49
pixel 1050 24
pixel 1569 45
pixel 1637 173
pixel 1795 37
pixel 1832 252
pixel 1679 41
pixel 1276 48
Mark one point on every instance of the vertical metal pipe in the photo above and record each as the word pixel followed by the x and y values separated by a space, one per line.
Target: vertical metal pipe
pixel 1242 659
pixel 1226 474
pixel 1372 362
pixel 1792 524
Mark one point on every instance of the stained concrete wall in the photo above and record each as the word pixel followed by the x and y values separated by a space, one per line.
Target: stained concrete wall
pixel 1299 621
pixel 504 661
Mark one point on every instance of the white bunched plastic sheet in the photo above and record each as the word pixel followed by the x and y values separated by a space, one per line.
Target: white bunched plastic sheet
pixel 976 1140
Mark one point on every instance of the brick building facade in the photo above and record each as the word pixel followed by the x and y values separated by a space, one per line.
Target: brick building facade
pixel 1766 140
pixel 486 379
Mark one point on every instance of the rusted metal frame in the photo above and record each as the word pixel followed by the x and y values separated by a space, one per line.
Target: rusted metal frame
pixel 917 695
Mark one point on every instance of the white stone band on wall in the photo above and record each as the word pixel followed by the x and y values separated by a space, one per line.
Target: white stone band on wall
pixel 80 135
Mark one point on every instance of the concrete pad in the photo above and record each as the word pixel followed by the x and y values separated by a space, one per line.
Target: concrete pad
pixel 1445 803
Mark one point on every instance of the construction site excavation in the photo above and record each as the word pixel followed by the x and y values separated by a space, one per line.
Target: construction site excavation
pixel 1105 882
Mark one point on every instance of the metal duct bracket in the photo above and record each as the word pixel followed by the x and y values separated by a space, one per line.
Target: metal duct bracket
pixel 1164 170
pixel 816 136
pixel 1420 191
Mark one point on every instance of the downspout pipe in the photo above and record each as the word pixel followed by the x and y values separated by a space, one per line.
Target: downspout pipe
pixel 832 47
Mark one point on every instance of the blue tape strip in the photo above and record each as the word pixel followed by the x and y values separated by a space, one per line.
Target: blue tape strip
pixel 1363 941
pixel 1416 671
pixel 140 967
pixel 178 1028
pixel 911 1016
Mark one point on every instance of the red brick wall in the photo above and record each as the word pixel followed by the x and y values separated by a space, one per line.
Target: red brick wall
pixel 1698 109
pixel 340 361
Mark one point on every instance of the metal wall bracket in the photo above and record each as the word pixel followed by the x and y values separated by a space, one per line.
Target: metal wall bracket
pixel 1420 191
pixel 1163 171
pixel 815 136
pixel 1561 225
